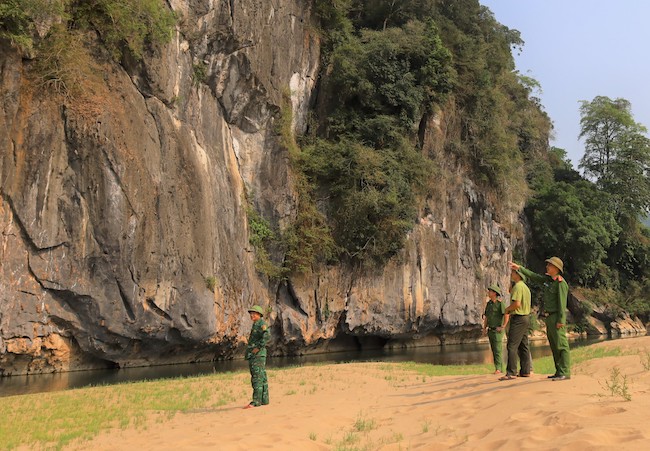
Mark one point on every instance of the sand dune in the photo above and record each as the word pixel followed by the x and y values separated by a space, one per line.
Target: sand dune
pixel 368 406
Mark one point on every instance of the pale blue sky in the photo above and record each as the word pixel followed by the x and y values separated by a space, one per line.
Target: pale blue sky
pixel 579 49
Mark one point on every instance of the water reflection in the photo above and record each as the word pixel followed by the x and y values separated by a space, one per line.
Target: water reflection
pixel 463 354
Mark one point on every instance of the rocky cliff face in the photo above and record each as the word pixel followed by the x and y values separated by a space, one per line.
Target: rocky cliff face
pixel 113 220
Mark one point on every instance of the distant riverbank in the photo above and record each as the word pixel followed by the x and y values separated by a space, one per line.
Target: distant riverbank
pixel 455 354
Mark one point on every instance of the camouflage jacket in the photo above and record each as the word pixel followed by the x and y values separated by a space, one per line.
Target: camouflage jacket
pixel 258 338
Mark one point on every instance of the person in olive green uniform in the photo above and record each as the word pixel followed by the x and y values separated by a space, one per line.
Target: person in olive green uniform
pixel 554 298
pixel 519 311
pixel 256 356
pixel 494 322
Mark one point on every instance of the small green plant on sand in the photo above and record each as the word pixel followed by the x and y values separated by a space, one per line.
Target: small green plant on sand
pixel 364 424
pixel 645 359
pixel 616 385
pixel 312 436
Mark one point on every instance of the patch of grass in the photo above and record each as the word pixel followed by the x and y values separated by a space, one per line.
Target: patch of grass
pixel 616 385
pixel 425 426
pixel 364 424
pixel 312 436
pixel 59 418
pixel 543 365
pixel 348 439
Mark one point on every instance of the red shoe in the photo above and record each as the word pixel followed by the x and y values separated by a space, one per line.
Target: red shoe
pixel 248 406
pixel 497 372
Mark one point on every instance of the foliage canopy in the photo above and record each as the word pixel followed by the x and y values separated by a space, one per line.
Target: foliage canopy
pixel 617 154
pixel 388 68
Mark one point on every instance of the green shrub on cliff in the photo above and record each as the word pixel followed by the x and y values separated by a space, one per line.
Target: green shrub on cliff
pixel 263 238
pixel 372 193
pixel 387 68
pixel 378 86
pixel 120 24
pixel 381 83
pixel 124 24
pixel 66 66
pixel 19 19
pixel 308 239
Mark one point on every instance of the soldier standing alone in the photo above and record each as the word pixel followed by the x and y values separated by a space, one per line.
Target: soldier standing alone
pixel 554 297
pixel 256 356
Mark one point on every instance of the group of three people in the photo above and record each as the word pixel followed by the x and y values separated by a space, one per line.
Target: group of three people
pixel 517 316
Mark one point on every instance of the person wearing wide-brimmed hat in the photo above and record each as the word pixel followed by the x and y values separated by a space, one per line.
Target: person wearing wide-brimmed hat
pixel 554 298
pixel 494 322
pixel 256 356
pixel 519 311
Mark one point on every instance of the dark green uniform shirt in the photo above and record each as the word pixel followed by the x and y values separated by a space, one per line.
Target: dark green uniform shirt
pixel 258 338
pixel 555 293
pixel 494 312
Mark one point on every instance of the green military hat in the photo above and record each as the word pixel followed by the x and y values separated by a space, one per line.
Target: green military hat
pixel 521 274
pixel 257 309
pixel 494 287
pixel 555 261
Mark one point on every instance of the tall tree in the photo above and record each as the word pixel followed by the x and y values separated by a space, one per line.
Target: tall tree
pixel 617 154
pixel 568 219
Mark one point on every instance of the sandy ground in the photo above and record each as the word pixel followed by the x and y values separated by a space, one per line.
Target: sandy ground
pixel 369 406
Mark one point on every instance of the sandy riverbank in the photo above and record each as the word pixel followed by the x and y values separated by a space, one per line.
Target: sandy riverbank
pixel 380 406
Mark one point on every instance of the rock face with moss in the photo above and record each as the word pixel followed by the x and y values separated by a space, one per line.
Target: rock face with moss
pixel 125 237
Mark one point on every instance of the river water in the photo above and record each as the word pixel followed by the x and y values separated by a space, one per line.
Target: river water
pixel 461 354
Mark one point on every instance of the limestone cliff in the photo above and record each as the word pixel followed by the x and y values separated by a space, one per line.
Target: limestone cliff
pixel 113 220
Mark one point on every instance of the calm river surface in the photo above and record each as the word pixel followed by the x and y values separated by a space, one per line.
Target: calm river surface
pixel 462 354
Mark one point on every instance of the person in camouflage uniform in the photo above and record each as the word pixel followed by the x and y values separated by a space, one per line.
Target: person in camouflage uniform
pixel 494 323
pixel 554 297
pixel 256 356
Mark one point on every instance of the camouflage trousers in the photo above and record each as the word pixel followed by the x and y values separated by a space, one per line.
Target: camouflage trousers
pixel 257 366
pixel 496 343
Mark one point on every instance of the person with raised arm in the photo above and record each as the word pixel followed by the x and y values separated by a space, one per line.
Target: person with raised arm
pixel 554 307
